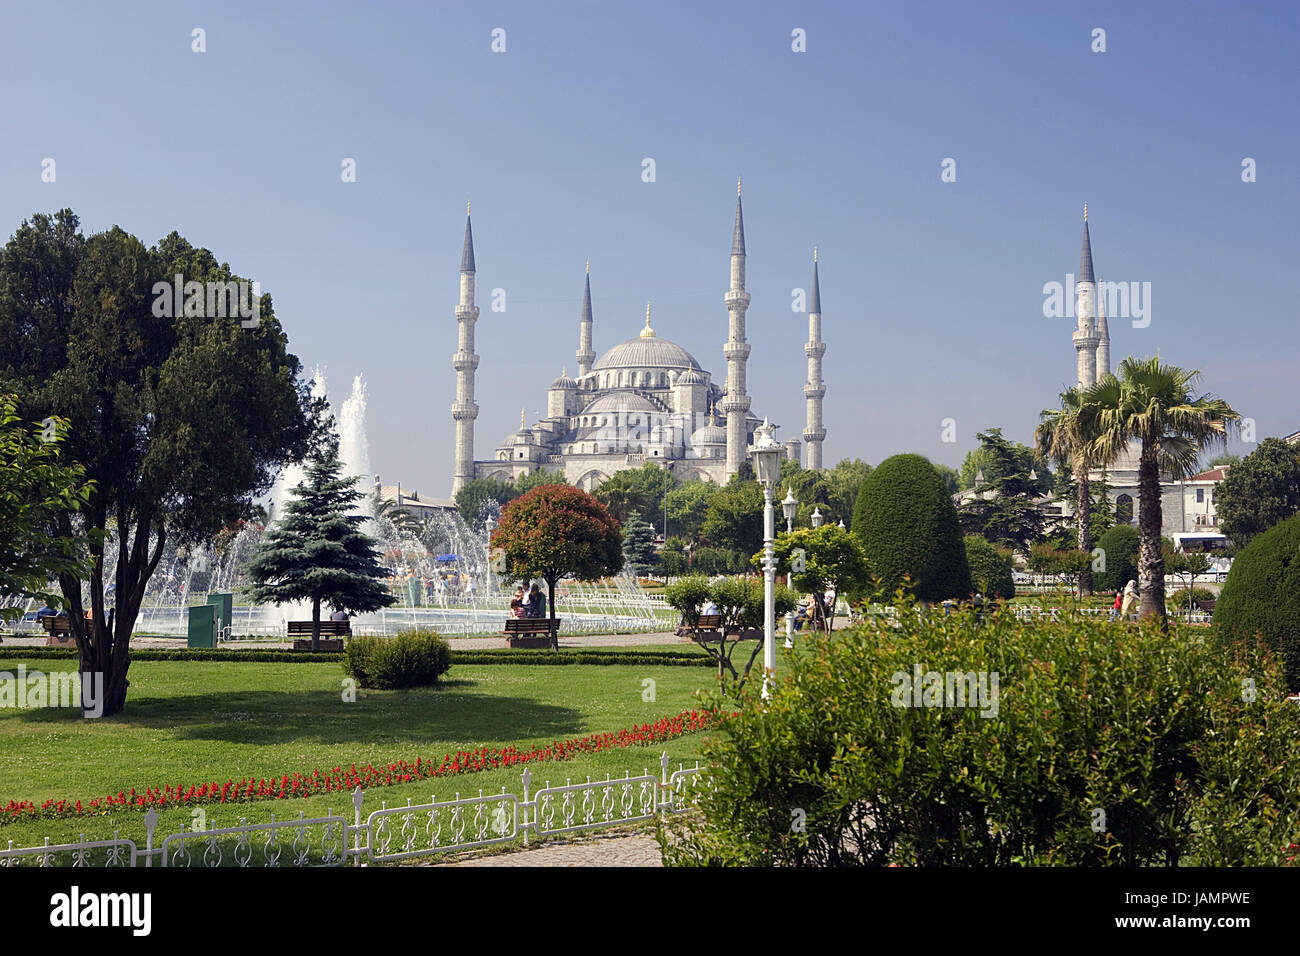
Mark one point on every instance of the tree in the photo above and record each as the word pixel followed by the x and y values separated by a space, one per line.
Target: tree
pixel 637 491
pixel 811 489
pixel 909 528
pixel 1154 404
pixel 317 551
pixel 1119 548
pixel 1259 491
pixel 1059 439
pixel 639 557
pixel 1224 458
pixel 179 421
pixel 687 506
pixel 1005 506
pixel 1260 601
pixel 990 571
pixel 818 558
pixel 477 498
pixel 1190 564
pixel 951 478
pixel 734 519
pixel 843 483
pixel 531 479
pixel 557 530
pixel 37 486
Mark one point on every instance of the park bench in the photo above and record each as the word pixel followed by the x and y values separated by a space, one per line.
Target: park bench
pixel 707 628
pixel 59 630
pixel 331 634
pixel 1206 607
pixel 530 632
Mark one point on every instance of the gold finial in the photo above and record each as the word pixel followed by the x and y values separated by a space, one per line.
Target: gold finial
pixel 814 253
pixel 522 422
pixel 588 265
pixel 467 207
pixel 647 332
pixel 1085 212
pixel 737 187
pixel 564 372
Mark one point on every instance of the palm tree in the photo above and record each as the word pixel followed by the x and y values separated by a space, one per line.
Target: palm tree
pixel 1154 404
pixel 1057 437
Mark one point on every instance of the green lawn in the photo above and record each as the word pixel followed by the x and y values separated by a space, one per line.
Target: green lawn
pixel 191 722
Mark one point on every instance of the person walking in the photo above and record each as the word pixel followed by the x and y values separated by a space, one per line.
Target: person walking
pixel 1130 600
pixel 1114 611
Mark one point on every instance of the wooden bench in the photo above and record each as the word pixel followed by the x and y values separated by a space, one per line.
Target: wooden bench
pixel 59 630
pixel 707 628
pixel 529 632
pixel 1206 607
pixel 331 634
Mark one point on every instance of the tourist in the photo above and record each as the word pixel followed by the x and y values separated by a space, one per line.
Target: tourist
pixel 339 615
pixel 536 602
pixel 1114 610
pixel 800 616
pixel 517 608
pixel 1130 600
pixel 46 611
pixel 709 607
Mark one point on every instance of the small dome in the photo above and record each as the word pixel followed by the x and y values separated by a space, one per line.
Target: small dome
pixel 709 435
pixel 564 382
pixel 691 377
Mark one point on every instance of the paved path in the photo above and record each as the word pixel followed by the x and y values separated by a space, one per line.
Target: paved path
pixel 606 851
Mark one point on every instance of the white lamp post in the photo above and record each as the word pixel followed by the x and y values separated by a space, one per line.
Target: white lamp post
pixel 766 454
pixel 817 518
pixel 790 507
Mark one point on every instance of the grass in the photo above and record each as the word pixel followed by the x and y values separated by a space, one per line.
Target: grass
pixel 191 722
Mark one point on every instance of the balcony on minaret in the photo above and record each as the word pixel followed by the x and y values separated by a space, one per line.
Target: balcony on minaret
pixel 736 350
pixel 814 391
pixel 465 361
pixel 736 299
pixel 464 411
pixel 817 349
pixel 814 435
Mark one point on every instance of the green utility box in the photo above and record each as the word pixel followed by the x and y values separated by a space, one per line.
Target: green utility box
pixel 203 626
pixel 225 605
pixel 414 592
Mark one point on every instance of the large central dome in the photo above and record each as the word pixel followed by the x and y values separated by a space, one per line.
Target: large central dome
pixel 647 351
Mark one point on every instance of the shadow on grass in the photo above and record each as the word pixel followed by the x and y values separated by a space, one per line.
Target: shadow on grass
pixel 449 712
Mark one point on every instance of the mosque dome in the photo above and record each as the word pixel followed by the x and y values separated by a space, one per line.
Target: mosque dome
pixel 617 402
pixel 691 376
pixel 710 434
pixel 564 382
pixel 647 350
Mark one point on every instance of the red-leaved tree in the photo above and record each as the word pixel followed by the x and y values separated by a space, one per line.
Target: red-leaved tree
pixel 555 531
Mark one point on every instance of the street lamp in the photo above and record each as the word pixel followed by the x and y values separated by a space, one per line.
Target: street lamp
pixel 790 507
pixel 817 518
pixel 766 454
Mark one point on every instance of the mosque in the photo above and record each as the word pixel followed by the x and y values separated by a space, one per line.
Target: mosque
pixel 644 400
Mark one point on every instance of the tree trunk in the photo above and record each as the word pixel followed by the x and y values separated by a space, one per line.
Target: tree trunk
pixel 315 625
pixel 1151 560
pixel 550 612
pixel 1083 509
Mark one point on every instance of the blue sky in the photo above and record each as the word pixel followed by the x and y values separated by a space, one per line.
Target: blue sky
pixel 932 291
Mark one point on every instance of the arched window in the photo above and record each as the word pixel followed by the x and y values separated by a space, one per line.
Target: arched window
pixel 1124 509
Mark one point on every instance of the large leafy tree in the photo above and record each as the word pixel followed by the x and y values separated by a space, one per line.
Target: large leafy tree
pixel 180 422
pixel 1059 439
pixel 555 531
pixel 36 486
pixel 909 528
pixel 1154 404
pixel 637 491
pixel 1259 491
pixel 477 498
pixel 317 551
pixel 687 505
pixel 1004 509
pixel 734 520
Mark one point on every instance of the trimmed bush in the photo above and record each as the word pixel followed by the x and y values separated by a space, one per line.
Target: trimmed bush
pixel 1180 599
pixel 1149 727
pixel 908 525
pixel 1262 595
pixel 1120 544
pixel 688 595
pixel 415 658
pixel 990 571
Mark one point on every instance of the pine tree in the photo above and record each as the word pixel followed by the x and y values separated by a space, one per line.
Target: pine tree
pixel 639 556
pixel 317 550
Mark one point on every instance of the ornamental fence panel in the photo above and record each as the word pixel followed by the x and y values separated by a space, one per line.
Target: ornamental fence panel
pixel 389 834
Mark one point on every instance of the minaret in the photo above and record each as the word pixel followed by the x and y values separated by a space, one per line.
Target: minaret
pixel 1085 293
pixel 585 355
pixel 815 389
pixel 465 410
pixel 735 404
pixel 1103 333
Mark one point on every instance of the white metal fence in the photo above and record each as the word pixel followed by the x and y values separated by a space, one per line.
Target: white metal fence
pixel 389 834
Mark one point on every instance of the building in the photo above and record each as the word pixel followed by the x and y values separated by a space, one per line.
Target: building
pixel 647 399
pixel 422 506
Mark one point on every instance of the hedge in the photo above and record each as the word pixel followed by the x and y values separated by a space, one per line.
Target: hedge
pixel 908 525
pixel 1120 545
pixel 990 572
pixel 598 658
pixel 1262 595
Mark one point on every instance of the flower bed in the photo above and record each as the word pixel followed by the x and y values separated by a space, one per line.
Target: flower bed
pixel 339 779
